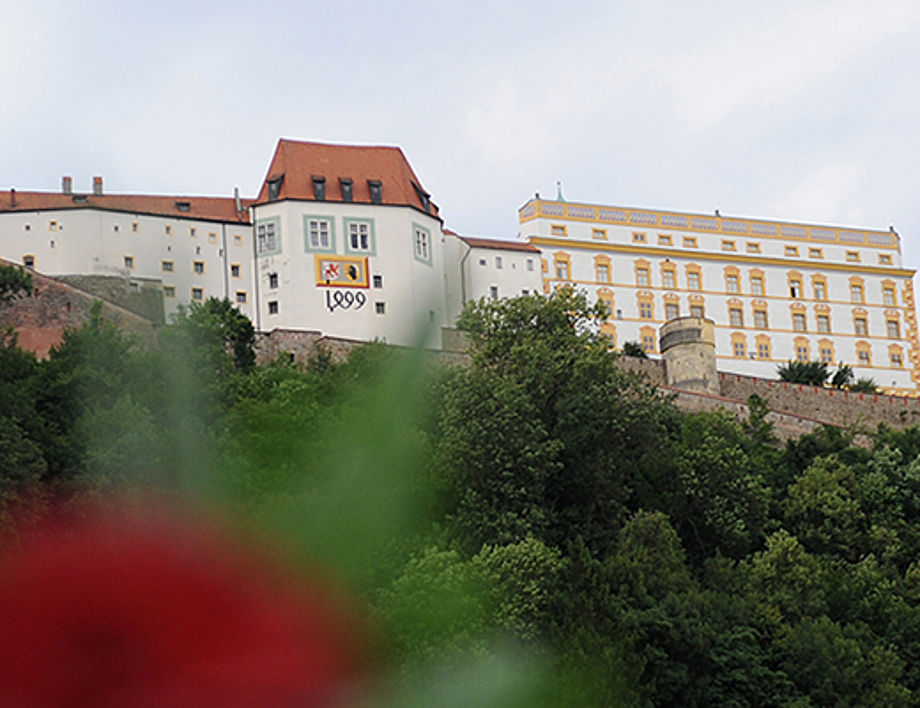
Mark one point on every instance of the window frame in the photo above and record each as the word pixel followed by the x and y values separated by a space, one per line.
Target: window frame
pixel 371 249
pixel 329 221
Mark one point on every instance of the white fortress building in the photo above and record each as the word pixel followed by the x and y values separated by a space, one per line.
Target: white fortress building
pixel 345 241
pixel 775 290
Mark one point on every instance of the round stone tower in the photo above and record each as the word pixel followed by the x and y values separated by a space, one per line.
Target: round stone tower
pixel 688 347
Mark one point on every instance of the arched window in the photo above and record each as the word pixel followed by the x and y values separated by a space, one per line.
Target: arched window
pixel 647 340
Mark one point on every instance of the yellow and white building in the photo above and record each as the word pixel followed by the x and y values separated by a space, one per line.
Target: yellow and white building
pixel 776 290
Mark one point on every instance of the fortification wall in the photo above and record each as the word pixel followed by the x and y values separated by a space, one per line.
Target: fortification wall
pixel 41 318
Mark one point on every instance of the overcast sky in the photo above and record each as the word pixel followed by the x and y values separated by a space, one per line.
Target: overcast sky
pixel 795 110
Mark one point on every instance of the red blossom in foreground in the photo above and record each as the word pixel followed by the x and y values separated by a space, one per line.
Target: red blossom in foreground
pixel 109 612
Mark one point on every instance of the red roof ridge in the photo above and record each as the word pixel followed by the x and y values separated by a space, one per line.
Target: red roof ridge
pixel 498 244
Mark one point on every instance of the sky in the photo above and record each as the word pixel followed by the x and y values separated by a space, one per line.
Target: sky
pixel 796 110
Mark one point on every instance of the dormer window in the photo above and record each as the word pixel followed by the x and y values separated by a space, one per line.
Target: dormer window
pixel 348 192
pixel 274 187
pixel 375 187
pixel 423 197
pixel 183 206
pixel 319 188
pixel 80 199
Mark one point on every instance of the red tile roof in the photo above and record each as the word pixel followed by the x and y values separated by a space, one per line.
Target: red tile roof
pixel 299 162
pixel 501 245
pixel 204 208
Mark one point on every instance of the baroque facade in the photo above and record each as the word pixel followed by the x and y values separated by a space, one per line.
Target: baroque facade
pixel 776 291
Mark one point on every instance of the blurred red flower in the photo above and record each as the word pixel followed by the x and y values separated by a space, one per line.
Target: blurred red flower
pixel 110 611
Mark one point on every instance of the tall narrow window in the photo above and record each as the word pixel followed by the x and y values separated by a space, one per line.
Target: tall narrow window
pixel 668 279
pixel 319 188
pixel 347 187
pixel 359 238
pixel 798 321
pixel 319 234
pixel 603 273
pixel 757 285
pixel 888 296
pixel 893 329
pixel 824 323
pixel 693 280
pixel 735 317
pixel 856 293
pixel 266 237
pixel 642 276
pixel 731 283
pixel 423 247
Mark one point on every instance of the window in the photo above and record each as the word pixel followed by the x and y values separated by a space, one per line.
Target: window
pixel 375 187
pixel 198 294
pixel 273 280
pixel 237 240
pixel 752 247
pixel 884 259
pixel 893 328
pixel 739 349
pixel 757 284
pixel 493 292
pixel 380 308
pixel 693 280
pixel 646 311
pixel 234 270
pixel 212 237
pixel 52 226
pixel 763 349
pixel 498 262
pixel 792 251
pixel 557 230
pixel 801 350
pixel 647 340
pixel 183 206
pixel 267 237
pixel 378 281
pixel 820 290
pixel 530 264
pixel 193 232
pixel 825 352
pixel 668 278
pixel 347 187
pixel 760 319
pixel 27 227
pixel 28 262
pixel 728 245
pixel 795 288
pixel 896 358
pixel 482 262
pixel 824 323
pixel 423 246
pixel 860 326
pixel 735 317
pixel 599 234
pixel 638 237
pixel 167 229
pixel 853 256
pixel 115 228
pixel 689 241
pixel 135 227
pixel 671 311
pixel 888 295
pixel 603 273
pixel 697 311
pixel 241 297
pixel 562 270
pixel 665 240
pixel 167 266
pixel 731 283
pixel 864 356
pixel 815 253
pixel 273 307
pixel 198 267
pixel 856 293
pixel 360 236
pixel 319 188
pixel 798 321
pixel 169 291
pixel 319 234
pixel 642 276
pixel 129 261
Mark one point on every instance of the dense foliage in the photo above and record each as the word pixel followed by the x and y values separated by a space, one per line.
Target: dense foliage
pixel 537 527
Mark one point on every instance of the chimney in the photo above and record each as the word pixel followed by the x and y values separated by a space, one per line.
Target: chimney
pixel 236 201
pixel 67 185
pixel 12 196
pixel 97 186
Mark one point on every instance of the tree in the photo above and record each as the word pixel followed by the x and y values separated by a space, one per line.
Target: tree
pixel 864 385
pixel 813 373
pixel 13 281
pixel 843 377
pixel 634 349
pixel 600 425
